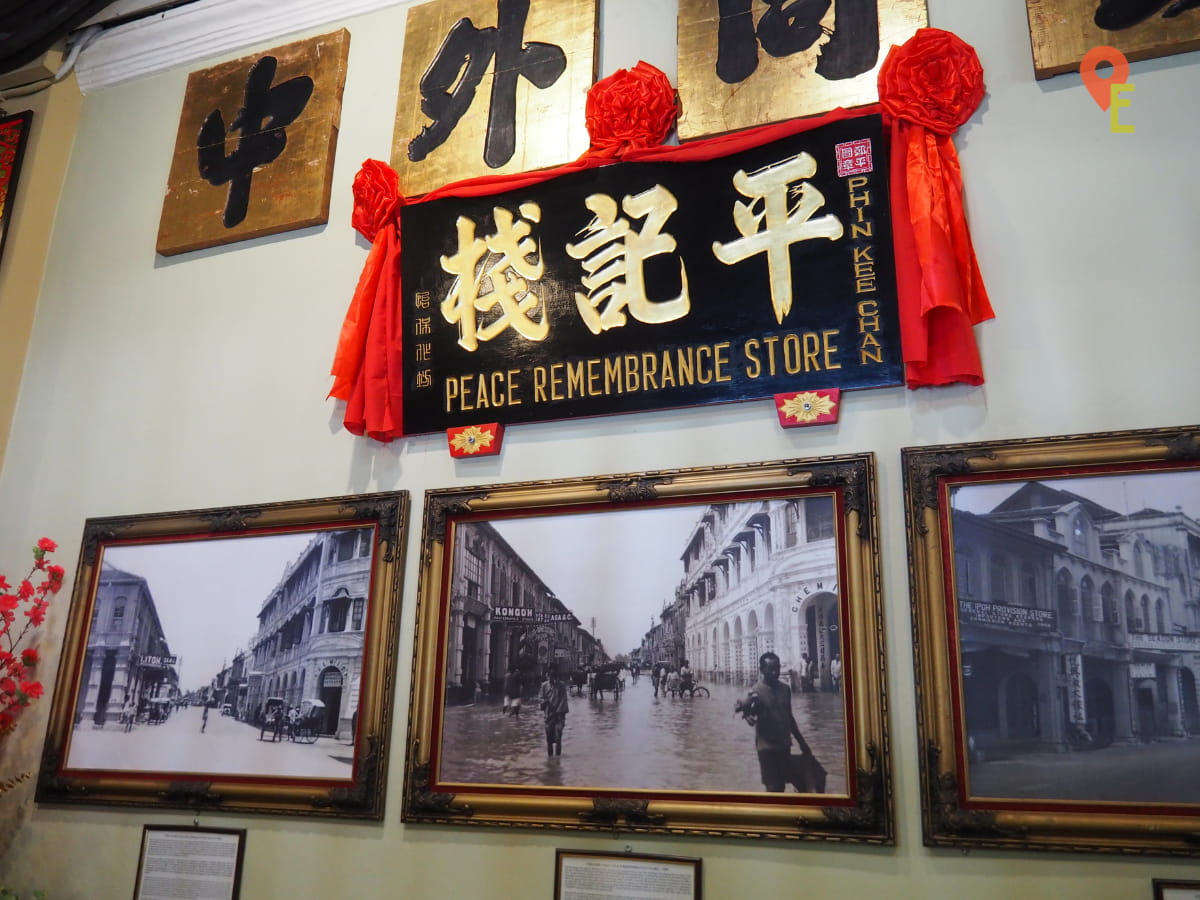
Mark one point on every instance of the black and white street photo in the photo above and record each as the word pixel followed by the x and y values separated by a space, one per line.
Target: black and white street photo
pixel 619 649
pixel 236 656
pixel 1078 605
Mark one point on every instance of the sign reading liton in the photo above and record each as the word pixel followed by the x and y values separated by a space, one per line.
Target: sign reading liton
pixel 652 285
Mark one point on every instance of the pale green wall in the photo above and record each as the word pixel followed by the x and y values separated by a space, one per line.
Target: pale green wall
pixel 199 381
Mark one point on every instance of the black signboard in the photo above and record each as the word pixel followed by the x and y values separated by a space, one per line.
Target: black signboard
pixel 653 285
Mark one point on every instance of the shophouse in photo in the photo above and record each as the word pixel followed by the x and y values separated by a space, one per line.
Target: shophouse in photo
pixel 128 659
pixel 761 576
pixel 309 643
pixel 1078 623
pixel 503 616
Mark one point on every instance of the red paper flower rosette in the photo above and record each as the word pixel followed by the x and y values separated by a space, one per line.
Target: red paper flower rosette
pixel 631 109
pixel 934 79
pixel 929 87
pixel 376 198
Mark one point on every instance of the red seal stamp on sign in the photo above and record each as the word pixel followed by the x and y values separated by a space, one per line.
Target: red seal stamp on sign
pixel 853 157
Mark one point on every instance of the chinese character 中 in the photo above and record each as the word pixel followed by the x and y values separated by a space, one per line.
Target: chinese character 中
pixel 613 255
pixel 448 84
pixel 273 107
pixel 492 278
pixel 776 226
pixel 786 28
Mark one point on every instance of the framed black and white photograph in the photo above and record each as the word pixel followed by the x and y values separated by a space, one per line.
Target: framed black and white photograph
pixel 595 875
pixel 235 658
pixel 1056 609
pixel 1175 890
pixel 695 650
pixel 190 862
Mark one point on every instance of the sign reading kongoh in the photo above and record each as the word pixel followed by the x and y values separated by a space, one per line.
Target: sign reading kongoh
pixel 652 285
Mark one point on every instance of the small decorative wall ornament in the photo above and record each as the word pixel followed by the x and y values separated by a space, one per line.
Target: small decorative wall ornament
pixel 255 147
pixel 468 441
pixel 802 408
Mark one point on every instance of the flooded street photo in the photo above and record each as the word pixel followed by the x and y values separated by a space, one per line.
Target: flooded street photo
pixel 637 742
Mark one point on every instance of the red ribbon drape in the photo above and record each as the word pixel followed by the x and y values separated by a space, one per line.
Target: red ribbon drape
pixel 929 87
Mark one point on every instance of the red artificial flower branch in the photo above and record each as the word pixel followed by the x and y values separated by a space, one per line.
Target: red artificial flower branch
pixel 17 687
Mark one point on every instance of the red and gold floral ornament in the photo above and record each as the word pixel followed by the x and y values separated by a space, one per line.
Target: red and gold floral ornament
pixel 800 409
pixel 467 441
pixel 927 87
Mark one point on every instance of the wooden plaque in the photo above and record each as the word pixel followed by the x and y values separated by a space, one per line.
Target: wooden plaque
pixel 255 147
pixel 1062 31
pixel 507 124
pixel 744 63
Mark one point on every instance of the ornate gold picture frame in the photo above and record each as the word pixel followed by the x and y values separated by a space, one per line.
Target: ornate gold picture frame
pixel 1055 588
pixel 582 647
pixel 239 659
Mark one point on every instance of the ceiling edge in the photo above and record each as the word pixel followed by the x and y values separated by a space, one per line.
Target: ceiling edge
pixel 202 30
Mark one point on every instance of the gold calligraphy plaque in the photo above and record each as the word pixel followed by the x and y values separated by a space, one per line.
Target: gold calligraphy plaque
pixel 255 147
pixel 756 65
pixel 1062 31
pixel 507 122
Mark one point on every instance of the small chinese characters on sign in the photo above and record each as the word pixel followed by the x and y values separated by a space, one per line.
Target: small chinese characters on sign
pixel 853 158
pixel 255 147
pixel 747 62
pixel 501 85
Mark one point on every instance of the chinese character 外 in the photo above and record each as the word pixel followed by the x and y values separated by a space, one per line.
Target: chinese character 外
pixel 778 215
pixel 449 84
pixel 492 86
